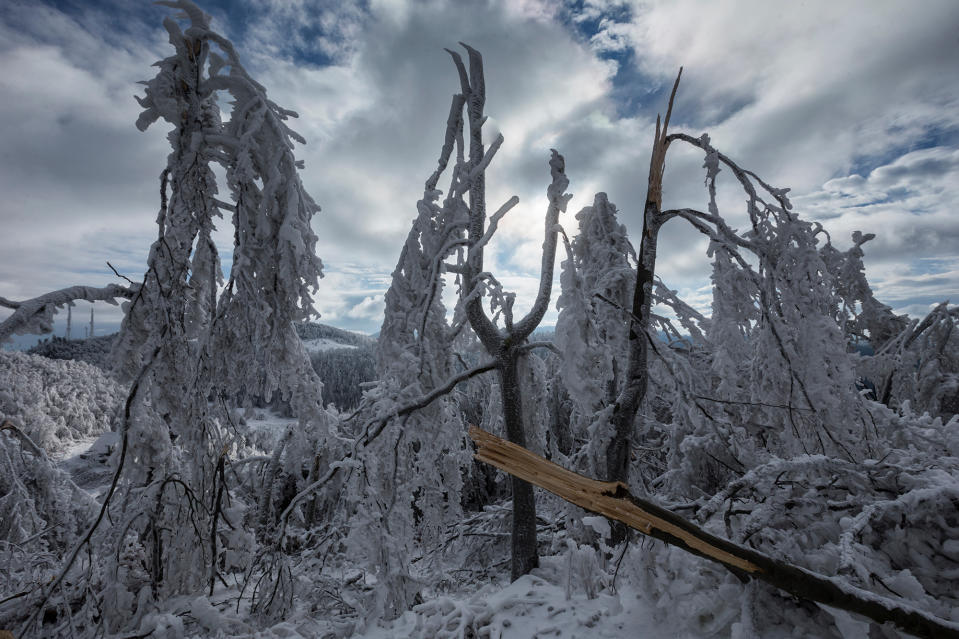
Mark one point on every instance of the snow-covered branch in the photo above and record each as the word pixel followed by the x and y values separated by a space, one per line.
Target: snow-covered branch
pixel 376 426
pixel 36 315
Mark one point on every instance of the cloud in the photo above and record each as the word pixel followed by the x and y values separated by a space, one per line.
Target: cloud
pixel 76 176
pixel 803 90
pixel 855 106
pixel 376 122
pixel 370 308
pixel 909 205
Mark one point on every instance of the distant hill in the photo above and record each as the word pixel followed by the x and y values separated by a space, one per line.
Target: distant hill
pixel 93 350
pixel 342 359
pixel 330 336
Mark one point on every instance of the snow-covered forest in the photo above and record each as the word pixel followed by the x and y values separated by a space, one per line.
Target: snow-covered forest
pixel 785 465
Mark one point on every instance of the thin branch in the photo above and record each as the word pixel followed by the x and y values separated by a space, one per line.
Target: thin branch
pixel 531 345
pixel 115 272
pixel 375 427
pixel 729 401
pixel 494 223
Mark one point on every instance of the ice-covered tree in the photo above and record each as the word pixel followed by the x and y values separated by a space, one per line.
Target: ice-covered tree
pixel 506 343
pixel 597 287
pixel 752 422
pixel 191 345
pixel 416 466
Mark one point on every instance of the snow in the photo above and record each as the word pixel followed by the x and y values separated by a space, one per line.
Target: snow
pixel 264 428
pixel 73 450
pixel 401 533
pixel 533 606
pixel 87 461
pixel 321 344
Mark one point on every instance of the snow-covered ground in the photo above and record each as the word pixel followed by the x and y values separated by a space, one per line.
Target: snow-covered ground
pixel 534 606
pixel 73 450
pixel 87 461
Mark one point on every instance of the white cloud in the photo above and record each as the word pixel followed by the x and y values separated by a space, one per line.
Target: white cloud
pixel 79 181
pixel 803 89
pixel 909 204
pixel 370 308
pixel 803 93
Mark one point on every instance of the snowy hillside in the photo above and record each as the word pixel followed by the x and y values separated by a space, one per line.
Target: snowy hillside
pixel 57 402
pixel 321 344
pixel 94 350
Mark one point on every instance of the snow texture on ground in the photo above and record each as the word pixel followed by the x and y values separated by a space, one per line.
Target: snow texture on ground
pixel 531 607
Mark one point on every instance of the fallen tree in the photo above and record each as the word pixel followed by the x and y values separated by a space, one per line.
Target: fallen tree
pixel 613 500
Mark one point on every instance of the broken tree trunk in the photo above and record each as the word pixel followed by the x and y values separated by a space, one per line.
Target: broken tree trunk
pixel 613 500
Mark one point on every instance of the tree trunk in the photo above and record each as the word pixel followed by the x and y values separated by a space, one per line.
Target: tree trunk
pixel 523 536
pixel 636 381
pixel 637 373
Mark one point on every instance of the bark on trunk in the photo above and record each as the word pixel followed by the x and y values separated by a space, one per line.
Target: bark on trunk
pixel 633 393
pixel 637 375
pixel 523 534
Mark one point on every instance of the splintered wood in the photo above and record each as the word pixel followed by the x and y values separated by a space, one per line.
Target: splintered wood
pixel 611 499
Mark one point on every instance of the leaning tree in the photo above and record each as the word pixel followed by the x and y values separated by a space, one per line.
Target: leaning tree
pixel 191 345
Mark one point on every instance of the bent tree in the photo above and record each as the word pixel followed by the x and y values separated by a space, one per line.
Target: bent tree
pixel 216 340
pixel 769 282
pixel 190 343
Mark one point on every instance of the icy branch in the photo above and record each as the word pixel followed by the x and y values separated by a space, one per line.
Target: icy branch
pixel 36 315
pixel 558 199
pixel 376 426
pixel 494 224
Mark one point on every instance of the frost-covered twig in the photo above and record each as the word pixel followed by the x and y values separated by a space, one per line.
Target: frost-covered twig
pixel 24 438
pixel 373 430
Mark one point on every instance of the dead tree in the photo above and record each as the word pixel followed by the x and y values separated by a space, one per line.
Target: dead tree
pixel 504 343
pixel 774 238
pixel 636 380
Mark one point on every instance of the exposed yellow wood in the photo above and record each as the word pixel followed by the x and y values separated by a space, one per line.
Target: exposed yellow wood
pixel 591 494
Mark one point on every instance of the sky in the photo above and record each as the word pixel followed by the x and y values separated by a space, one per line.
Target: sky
pixel 853 105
